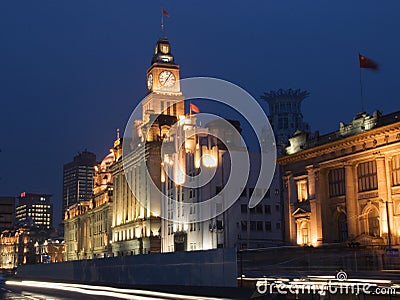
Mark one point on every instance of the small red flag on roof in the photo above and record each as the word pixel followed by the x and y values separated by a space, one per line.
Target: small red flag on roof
pixel 367 63
pixel 194 108
pixel 165 13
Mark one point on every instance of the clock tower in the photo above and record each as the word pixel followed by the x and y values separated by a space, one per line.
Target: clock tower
pixel 164 95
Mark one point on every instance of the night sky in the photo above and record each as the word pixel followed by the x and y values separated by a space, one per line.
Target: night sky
pixel 72 71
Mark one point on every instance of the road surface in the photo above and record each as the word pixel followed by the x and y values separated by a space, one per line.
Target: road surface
pixel 37 290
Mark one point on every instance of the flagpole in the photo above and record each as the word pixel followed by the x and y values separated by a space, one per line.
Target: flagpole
pixel 361 92
pixel 162 23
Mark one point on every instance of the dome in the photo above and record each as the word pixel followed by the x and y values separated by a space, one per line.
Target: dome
pixel 107 161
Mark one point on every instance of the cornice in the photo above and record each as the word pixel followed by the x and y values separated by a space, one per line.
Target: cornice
pixel 346 142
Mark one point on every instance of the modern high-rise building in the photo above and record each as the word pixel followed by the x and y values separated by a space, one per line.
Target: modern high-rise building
pixel 78 179
pixel 35 211
pixel 7 212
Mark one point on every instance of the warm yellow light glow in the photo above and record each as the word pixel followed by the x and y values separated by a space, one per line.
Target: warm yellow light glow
pixel 138 232
pixel 302 190
pixel 190 144
pixel 197 157
pixel 162 174
pixel 299 240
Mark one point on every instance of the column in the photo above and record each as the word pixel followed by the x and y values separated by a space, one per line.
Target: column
pixel 385 211
pixel 351 201
pixel 290 197
pixel 392 221
pixel 315 206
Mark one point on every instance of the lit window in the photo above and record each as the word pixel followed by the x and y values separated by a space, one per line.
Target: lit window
pixel 302 190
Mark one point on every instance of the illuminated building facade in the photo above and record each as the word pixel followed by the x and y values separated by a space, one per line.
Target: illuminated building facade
pixel 75 231
pixel 345 185
pixel 18 247
pixel 136 224
pixel 8 249
pixel 78 179
pixel 34 210
pixel 7 213
pixel 144 220
pixel 182 229
pixel 87 224
pixel 50 251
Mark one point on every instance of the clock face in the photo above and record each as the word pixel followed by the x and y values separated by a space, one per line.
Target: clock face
pixel 149 81
pixel 167 78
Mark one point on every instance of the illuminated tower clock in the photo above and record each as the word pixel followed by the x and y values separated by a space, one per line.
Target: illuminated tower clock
pixel 163 88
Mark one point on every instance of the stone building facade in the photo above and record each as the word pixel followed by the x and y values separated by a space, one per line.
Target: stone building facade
pixel 345 186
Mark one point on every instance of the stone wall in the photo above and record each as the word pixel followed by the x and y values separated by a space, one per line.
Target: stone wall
pixel 213 268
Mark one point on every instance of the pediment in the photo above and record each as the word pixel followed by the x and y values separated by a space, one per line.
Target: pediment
pixel 299 212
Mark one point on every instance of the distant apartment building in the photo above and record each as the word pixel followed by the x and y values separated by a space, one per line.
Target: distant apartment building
pixel 78 179
pixel 344 186
pixel 35 211
pixel 7 212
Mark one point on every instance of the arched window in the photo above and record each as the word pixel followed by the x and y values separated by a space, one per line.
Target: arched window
pixel 373 222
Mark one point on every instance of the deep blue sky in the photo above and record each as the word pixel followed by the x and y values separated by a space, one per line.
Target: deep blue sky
pixel 72 71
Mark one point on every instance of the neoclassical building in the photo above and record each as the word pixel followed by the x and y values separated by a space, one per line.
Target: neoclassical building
pixel 136 214
pixel 345 186
pixel 157 213
pixel 132 213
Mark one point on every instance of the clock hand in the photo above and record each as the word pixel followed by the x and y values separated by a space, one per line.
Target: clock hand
pixel 168 77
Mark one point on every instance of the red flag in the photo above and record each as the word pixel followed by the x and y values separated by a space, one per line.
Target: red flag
pixel 165 13
pixel 366 63
pixel 194 108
